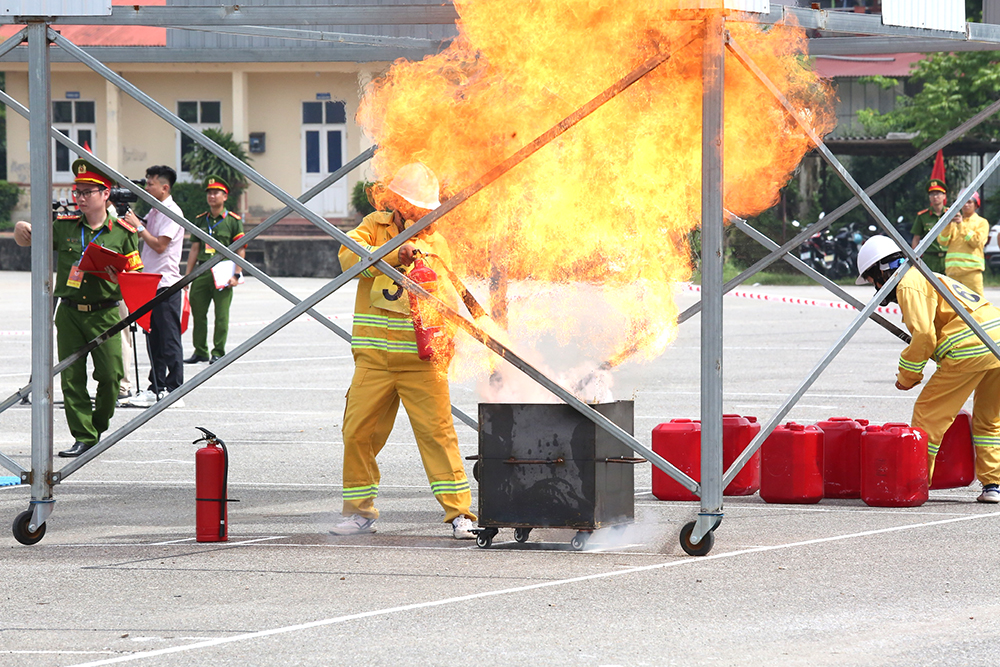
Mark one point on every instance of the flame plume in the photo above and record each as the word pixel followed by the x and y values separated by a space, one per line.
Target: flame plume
pixel 595 225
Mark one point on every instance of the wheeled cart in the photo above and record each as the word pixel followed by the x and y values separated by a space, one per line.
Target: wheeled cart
pixel 547 466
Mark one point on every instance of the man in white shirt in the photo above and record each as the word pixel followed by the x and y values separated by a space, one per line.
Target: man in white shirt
pixel 162 244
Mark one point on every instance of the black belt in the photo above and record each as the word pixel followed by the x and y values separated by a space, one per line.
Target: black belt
pixel 89 307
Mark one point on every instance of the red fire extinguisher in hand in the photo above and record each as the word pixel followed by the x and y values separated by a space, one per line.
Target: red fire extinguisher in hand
pixel 429 337
pixel 211 471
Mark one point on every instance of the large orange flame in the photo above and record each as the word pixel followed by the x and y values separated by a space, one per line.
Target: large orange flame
pixel 603 213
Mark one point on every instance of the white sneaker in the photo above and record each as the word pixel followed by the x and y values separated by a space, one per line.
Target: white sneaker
pixel 144 399
pixel 461 528
pixel 990 494
pixel 179 403
pixel 354 525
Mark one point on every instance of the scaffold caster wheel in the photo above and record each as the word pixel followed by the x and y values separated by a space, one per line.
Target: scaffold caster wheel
pixel 579 541
pixel 521 534
pixel 21 532
pixel 484 538
pixel 700 549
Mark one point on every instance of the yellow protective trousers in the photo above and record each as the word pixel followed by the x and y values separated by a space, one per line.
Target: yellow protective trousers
pixel 971 278
pixel 939 403
pixel 372 402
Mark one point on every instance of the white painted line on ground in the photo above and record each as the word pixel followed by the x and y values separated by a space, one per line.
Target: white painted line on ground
pixel 57 652
pixel 510 591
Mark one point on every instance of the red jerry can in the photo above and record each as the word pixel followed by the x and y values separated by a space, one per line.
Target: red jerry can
pixel 955 463
pixel 791 465
pixel 842 456
pixel 893 466
pixel 679 442
pixel 737 432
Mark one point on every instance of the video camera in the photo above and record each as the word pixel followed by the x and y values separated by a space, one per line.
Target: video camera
pixel 122 197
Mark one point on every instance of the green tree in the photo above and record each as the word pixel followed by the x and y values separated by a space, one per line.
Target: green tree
pixel 203 164
pixel 954 87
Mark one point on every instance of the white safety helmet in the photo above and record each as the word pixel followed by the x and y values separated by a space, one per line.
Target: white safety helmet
pixel 872 252
pixel 416 184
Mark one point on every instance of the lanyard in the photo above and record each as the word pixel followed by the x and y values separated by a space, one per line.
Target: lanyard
pixel 211 228
pixel 84 245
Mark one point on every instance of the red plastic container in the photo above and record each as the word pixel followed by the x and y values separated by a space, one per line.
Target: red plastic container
pixel 679 441
pixel 737 432
pixel 791 465
pixel 893 466
pixel 955 464
pixel 842 456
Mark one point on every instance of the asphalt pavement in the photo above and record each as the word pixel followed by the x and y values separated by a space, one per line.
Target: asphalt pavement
pixel 118 576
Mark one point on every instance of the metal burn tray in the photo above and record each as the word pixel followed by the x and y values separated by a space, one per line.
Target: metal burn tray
pixel 544 465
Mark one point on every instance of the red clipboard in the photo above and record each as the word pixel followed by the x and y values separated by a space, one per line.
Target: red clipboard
pixel 185 311
pixel 96 260
pixel 138 289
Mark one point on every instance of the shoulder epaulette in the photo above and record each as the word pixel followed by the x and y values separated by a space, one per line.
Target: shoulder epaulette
pixel 201 215
pixel 68 216
pixel 235 215
pixel 126 225
pixel 923 211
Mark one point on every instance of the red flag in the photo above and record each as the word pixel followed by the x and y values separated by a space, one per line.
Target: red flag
pixel 86 147
pixel 138 289
pixel 938 170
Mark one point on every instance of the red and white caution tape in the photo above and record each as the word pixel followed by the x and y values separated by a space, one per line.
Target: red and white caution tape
pixel 798 301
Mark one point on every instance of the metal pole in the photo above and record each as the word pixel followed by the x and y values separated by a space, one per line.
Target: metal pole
pixel 712 106
pixel 833 287
pixel 849 206
pixel 845 176
pixel 40 96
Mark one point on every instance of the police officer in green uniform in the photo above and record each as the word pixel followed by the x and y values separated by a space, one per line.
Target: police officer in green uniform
pixel 88 304
pixel 226 227
pixel 937 194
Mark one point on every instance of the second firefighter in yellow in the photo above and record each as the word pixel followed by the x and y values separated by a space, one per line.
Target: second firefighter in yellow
pixel 964 363
pixel 965 238
pixel 388 368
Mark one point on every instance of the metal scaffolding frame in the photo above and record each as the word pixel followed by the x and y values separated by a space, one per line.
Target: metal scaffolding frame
pixel 697 536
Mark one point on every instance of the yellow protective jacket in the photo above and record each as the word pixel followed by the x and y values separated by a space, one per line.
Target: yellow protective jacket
pixel 965 241
pixel 383 337
pixel 938 333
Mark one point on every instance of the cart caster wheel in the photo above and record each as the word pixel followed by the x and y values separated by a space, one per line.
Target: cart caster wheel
pixel 521 534
pixel 579 541
pixel 700 549
pixel 475 471
pixel 484 538
pixel 21 532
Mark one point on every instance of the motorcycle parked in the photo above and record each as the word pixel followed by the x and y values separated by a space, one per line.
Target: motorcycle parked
pixel 818 252
pixel 846 243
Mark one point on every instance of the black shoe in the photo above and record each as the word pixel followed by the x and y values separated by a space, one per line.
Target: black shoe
pixel 215 357
pixel 195 359
pixel 74 451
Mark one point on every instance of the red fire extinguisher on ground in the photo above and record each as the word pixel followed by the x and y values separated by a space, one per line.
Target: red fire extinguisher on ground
pixel 211 471
pixel 427 336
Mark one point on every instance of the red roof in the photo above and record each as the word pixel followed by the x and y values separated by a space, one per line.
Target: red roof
pixel 115 35
pixel 887 64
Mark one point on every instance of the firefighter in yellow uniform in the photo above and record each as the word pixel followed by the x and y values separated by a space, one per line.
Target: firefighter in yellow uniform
pixel 388 368
pixel 965 239
pixel 964 364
